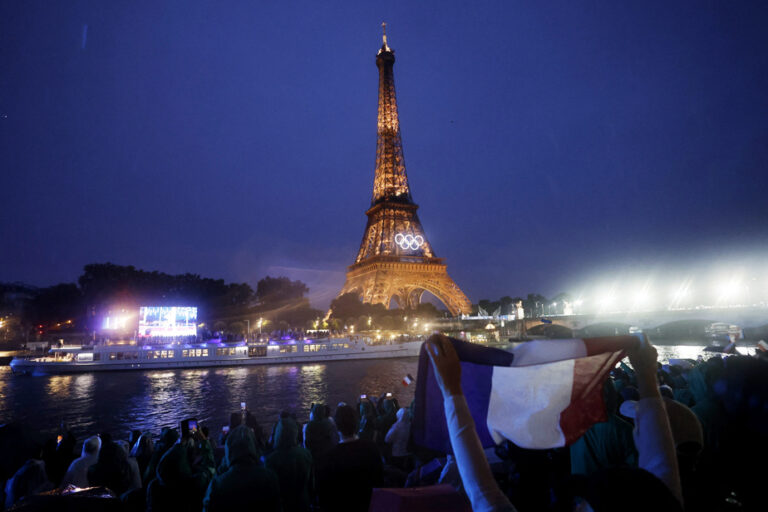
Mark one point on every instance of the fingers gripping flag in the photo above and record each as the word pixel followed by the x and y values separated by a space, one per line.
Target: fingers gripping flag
pixel 542 394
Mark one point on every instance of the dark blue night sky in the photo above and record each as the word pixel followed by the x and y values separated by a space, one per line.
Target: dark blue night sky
pixel 546 143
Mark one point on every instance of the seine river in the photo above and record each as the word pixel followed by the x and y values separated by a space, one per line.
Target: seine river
pixel 148 400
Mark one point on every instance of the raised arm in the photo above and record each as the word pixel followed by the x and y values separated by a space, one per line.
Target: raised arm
pixel 481 487
pixel 653 435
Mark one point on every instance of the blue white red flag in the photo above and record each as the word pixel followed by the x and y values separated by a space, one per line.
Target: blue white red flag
pixel 542 394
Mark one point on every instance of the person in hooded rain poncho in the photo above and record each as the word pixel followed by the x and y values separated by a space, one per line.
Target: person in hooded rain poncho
pixel 142 451
pixel 293 466
pixel 112 470
pixel 367 412
pixel 708 406
pixel 168 437
pixel 398 437
pixel 180 485
pixel 387 409
pixel 77 474
pixel 30 479
pixel 320 434
pixel 135 472
pixel 606 444
pixel 246 485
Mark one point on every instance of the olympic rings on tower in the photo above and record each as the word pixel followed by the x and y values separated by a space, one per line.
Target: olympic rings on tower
pixel 409 241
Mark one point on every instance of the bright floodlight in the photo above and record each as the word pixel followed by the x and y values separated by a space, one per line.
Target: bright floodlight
pixel 605 300
pixel 680 292
pixel 728 289
pixel 678 295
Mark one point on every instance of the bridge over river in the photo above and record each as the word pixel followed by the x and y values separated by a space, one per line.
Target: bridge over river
pixel 750 318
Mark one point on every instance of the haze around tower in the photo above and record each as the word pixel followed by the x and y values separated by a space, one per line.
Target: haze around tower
pixel 546 146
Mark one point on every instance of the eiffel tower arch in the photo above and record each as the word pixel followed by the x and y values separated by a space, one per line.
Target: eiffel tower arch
pixel 396 260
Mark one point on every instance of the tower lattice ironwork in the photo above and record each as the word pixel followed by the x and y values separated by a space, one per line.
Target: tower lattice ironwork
pixel 395 260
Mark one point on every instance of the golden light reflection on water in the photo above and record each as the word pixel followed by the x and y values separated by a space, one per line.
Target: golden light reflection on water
pixel 83 386
pixel 161 388
pixel 58 385
pixel 195 374
pixel 119 401
pixel 313 369
pixel 160 375
pixel 314 388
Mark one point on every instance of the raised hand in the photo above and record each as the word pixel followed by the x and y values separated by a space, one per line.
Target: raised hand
pixel 446 364
pixel 643 359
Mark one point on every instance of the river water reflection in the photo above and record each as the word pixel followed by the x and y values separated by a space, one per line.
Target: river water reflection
pixel 120 401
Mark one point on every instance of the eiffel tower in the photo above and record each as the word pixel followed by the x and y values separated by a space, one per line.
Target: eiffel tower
pixel 395 260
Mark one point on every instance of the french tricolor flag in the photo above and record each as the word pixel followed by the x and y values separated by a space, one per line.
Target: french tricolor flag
pixel 543 394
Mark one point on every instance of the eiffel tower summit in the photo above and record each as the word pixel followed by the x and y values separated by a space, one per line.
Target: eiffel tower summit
pixel 395 260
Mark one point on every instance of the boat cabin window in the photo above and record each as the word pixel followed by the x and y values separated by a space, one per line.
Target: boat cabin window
pixel 160 354
pixel 287 349
pixel 226 351
pixel 195 352
pixel 123 355
pixel 315 348
pixel 257 351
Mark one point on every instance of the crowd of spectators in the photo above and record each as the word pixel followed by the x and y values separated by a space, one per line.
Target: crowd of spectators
pixel 677 437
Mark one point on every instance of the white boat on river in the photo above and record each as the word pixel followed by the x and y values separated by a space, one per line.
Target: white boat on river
pixel 131 356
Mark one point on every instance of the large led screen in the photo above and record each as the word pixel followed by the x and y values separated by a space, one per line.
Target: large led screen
pixel 168 322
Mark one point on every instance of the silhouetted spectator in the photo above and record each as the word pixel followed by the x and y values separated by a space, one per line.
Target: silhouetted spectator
pixel 112 469
pixel 608 444
pixel 347 474
pixel 30 479
pixel 183 474
pixel 320 434
pixel 398 437
pixel 58 455
pixel 168 436
pixel 387 408
pixel 293 466
pixel 77 474
pixel 142 451
pixel 246 485
pixel 367 429
pixel 135 473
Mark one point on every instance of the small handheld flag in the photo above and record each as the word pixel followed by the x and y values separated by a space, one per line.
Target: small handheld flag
pixel 407 380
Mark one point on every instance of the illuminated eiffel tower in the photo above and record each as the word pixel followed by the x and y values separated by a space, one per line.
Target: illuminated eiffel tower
pixel 395 260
